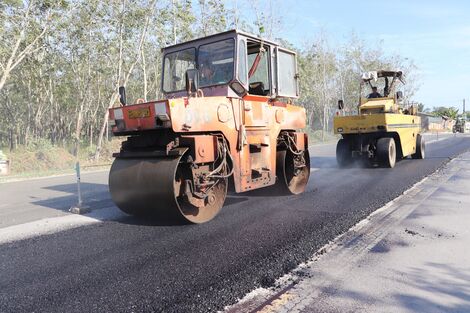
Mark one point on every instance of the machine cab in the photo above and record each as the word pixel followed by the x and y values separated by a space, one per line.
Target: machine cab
pixel 231 64
pixel 378 92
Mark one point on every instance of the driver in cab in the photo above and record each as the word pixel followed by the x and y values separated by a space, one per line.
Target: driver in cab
pixel 374 94
pixel 207 75
pixel 212 75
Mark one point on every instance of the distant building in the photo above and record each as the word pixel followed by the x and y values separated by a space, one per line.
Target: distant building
pixel 430 122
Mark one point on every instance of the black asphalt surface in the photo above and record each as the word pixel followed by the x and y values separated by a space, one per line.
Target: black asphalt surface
pixel 130 265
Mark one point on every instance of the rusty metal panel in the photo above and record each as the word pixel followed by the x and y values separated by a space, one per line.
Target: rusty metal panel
pixel 228 116
pixel 142 116
pixel 300 140
pixel 203 148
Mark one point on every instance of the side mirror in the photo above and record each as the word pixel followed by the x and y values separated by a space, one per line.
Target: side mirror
pixel 192 80
pixel 122 95
pixel 399 95
pixel 340 104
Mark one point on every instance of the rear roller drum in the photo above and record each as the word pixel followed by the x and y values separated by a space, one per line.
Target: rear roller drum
pixel 159 187
pixel 293 171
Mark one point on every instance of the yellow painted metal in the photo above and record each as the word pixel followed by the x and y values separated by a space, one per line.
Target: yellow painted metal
pixel 385 104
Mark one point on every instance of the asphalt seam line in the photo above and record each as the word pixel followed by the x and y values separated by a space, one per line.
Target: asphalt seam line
pixel 52 225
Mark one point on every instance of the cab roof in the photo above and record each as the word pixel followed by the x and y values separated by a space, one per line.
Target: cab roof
pixel 374 75
pixel 224 35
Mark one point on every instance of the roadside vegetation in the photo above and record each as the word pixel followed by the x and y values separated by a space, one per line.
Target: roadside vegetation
pixel 61 63
pixel 41 158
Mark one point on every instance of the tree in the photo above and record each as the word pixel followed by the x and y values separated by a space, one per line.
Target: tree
pixel 24 26
pixel 268 22
pixel 61 62
pixel 212 17
pixel 447 112
pixel 126 17
pixel 420 107
pixel 318 72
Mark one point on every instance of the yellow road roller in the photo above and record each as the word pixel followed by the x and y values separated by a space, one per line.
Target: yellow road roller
pixel 383 130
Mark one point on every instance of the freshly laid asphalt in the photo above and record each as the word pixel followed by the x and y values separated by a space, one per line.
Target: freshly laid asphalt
pixel 132 265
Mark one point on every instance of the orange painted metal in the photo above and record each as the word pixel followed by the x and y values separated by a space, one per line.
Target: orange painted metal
pixel 249 97
pixel 250 125
pixel 203 147
pixel 140 116
pixel 300 140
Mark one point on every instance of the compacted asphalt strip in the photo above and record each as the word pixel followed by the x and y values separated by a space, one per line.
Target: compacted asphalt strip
pixel 132 265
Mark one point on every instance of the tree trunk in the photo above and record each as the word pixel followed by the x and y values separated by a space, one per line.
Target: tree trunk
pixel 115 95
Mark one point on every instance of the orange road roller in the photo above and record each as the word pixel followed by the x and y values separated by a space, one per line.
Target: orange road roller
pixel 227 117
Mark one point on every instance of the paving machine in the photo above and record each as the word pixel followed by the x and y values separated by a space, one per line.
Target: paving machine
pixel 227 116
pixel 383 130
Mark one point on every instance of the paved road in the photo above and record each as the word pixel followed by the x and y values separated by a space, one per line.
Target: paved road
pixel 125 264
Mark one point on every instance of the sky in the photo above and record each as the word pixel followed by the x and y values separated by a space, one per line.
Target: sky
pixel 434 34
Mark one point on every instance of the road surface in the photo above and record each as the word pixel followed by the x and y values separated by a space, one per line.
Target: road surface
pixel 124 264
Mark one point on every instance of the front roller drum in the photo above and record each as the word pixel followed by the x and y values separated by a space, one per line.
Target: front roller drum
pixel 157 187
pixel 292 171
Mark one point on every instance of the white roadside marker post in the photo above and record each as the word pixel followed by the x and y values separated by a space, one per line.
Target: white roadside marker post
pixel 79 208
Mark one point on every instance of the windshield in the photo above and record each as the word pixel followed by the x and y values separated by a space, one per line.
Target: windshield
pixel 175 66
pixel 215 63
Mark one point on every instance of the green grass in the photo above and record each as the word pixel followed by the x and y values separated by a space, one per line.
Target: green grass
pixel 52 172
pixel 41 158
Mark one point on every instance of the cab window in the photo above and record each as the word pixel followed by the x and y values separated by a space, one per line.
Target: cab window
pixel 174 69
pixel 242 71
pixel 258 65
pixel 216 63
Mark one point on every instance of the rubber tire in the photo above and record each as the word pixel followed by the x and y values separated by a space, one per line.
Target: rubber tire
pixel 387 152
pixel 420 148
pixel 343 153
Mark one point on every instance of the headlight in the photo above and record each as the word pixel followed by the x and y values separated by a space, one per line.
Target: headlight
pixel 118 114
pixel 160 111
pixel 339 129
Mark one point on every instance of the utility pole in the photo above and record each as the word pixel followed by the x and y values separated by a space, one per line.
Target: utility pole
pixel 464 106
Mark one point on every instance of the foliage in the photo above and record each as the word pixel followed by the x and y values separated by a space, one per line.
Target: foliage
pixel 329 74
pixel 448 112
pixel 62 61
pixel 421 107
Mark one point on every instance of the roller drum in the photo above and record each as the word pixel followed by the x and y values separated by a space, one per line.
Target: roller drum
pixel 145 186
pixel 155 187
